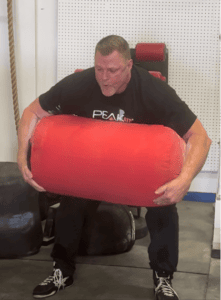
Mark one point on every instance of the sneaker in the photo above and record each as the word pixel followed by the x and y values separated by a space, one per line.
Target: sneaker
pixel 52 284
pixel 163 287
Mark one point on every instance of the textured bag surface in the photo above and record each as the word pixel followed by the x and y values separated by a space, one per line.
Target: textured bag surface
pixel 102 160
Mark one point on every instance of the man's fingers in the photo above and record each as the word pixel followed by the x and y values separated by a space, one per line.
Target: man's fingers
pixel 36 186
pixel 161 190
pixel 27 173
pixel 28 178
pixel 161 200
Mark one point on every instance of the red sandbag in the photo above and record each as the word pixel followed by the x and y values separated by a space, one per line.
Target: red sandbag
pixel 150 52
pixel 102 160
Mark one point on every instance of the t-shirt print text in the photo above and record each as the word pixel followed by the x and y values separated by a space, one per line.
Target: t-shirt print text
pixel 105 115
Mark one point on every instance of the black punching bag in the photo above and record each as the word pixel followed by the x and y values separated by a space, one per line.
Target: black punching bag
pixel 20 222
pixel 111 231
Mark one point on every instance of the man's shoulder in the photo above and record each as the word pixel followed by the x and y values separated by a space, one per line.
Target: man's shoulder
pixel 140 72
pixel 144 77
pixel 147 81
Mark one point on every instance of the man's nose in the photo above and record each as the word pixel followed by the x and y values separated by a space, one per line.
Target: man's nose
pixel 105 75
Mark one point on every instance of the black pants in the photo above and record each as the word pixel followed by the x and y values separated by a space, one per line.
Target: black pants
pixel 72 214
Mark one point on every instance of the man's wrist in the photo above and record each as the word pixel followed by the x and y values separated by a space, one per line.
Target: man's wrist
pixel 188 178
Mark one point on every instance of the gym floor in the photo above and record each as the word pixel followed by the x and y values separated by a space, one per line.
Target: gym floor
pixel 127 276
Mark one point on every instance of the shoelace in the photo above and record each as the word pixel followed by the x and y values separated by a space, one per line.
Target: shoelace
pixel 165 287
pixel 57 279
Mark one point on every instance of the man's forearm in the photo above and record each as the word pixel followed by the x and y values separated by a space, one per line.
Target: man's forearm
pixel 25 130
pixel 197 149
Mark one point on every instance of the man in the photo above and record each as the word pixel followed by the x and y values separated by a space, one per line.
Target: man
pixel 116 90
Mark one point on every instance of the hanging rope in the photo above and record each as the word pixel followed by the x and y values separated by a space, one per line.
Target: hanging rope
pixel 12 63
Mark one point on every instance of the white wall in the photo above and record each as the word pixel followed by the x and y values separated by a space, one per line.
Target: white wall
pixel 46 46
pixel 36 48
pixel 216 234
pixel 8 142
pixel 35 51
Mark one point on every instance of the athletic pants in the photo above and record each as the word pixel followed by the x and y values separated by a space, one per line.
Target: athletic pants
pixel 73 213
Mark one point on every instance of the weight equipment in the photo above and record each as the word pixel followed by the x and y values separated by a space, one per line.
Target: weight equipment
pixel 152 57
pixel 20 223
pixel 150 52
pixel 113 231
pixel 157 75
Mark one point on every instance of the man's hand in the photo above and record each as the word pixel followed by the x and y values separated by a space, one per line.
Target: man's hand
pixel 27 175
pixel 197 148
pixel 173 192
pixel 30 118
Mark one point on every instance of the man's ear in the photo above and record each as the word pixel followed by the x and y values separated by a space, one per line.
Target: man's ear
pixel 130 64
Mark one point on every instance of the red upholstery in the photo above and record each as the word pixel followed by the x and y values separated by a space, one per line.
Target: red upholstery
pixel 158 75
pixel 102 160
pixel 78 70
pixel 150 52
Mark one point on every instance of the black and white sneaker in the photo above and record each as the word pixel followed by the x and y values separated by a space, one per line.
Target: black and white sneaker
pixel 52 284
pixel 163 287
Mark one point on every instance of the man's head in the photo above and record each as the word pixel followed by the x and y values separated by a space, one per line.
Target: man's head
pixel 113 65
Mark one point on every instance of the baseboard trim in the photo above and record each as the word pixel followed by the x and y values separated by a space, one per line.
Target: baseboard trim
pixel 200 197
pixel 215 253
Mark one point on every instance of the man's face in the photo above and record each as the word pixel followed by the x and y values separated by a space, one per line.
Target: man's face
pixel 112 73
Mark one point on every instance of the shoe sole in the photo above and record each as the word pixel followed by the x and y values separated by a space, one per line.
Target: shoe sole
pixel 53 293
pixel 155 295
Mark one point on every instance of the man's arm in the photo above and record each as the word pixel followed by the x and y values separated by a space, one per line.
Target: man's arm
pixel 30 117
pixel 197 148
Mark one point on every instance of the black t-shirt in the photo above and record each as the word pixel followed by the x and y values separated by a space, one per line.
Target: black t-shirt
pixel 146 100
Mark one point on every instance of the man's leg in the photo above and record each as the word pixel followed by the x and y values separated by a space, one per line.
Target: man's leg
pixel 70 218
pixel 163 225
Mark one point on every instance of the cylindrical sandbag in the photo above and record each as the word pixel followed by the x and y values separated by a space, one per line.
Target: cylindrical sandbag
pixel 150 52
pixel 115 162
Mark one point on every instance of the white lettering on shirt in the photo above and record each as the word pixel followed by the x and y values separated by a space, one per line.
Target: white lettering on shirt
pixel 105 115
